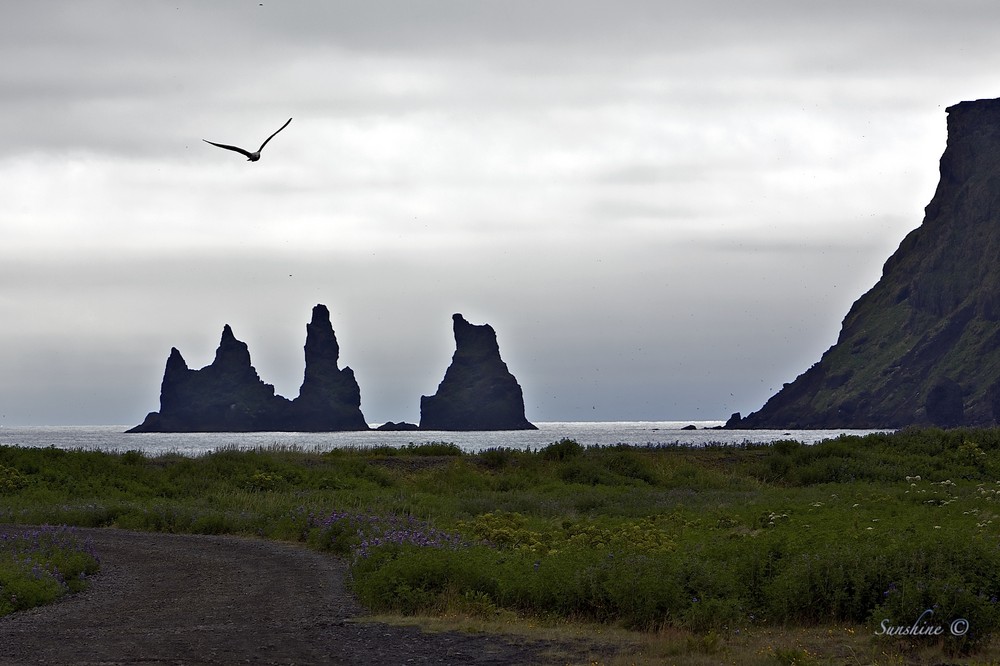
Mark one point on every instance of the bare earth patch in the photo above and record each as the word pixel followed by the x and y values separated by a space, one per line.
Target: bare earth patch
pixel 189 599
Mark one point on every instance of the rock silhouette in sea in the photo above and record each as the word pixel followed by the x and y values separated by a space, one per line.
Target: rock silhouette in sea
pixel 922 347
pixel 229 396
pixel 478 392
pixel 329 398
pixel 392 426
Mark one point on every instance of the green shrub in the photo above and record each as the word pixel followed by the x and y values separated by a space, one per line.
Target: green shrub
pixel 585 471
pixel 561 450
pixel 133 457
pixel 409 579
pixel 264 482
pixel 40 565
pixel 966 617
pixel 496 458
pixel 824 585
pixel 411 449
pixel 630 465
pixel 787 447
pixel 707 615
pixel 433 449
pixel 636 590
pixel 11 480
pixel 21 588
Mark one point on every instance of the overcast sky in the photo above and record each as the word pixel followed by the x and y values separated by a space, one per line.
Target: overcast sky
pixel 664 209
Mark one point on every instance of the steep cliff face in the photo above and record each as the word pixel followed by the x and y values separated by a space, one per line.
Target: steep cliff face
pixel 229 396
pixel 329 398
pixel 478 392
pixel 922 347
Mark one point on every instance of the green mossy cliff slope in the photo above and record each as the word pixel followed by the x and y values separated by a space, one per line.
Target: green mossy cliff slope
pixel 922 347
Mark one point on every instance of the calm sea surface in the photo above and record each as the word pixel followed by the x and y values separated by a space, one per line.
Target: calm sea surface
pixel 114 438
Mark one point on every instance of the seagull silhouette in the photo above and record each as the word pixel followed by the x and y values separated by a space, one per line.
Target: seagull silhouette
pixel 251 157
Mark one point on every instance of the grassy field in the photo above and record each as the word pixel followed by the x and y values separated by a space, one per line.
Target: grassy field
pixel 882 549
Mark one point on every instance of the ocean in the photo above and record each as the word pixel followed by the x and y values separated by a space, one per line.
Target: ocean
pixel 114 437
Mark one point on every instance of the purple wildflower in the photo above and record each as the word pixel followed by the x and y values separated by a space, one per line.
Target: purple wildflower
pixel 373 531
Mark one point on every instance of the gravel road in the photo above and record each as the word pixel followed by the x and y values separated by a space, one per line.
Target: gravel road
pixel 186 599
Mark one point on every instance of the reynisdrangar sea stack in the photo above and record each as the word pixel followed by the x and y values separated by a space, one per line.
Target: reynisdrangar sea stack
pixel 229 396
pixel 478 392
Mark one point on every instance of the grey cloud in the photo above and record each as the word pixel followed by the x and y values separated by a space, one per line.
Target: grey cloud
pixel 656 204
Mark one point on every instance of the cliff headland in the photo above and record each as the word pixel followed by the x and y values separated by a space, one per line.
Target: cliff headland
pixel 922 347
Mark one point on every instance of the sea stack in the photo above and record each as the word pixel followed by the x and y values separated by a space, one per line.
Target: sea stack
pixel 330 398
pixel 229 396
pixel 478 392
pixel 225 396
pixel 922 347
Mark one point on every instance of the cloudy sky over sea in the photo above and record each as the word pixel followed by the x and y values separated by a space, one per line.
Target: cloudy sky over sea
pixel 665 209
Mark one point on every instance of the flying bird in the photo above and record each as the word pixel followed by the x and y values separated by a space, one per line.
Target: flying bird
pixel 251 157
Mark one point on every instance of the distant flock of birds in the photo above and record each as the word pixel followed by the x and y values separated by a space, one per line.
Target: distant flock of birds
pixel 251 157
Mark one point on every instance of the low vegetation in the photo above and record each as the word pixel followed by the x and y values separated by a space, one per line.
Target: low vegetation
pixel 884 548
pixel 40 565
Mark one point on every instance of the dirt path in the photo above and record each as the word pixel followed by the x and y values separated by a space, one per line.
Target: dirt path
pixel 182 599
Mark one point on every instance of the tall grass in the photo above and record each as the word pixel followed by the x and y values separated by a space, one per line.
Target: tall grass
pixel 855 529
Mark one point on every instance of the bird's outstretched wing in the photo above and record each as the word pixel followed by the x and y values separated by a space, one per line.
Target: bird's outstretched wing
pixel 236 148
pixel 272 136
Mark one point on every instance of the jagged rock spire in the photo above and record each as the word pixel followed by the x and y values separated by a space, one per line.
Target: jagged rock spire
pixel 229 396
pixel 478 392
pixel 330 398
